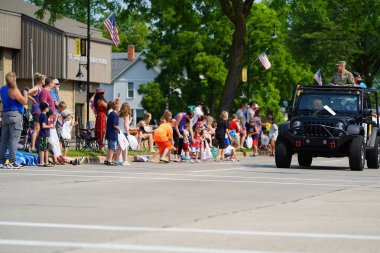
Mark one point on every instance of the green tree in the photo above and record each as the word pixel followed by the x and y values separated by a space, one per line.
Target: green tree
pixel 270 88
pixel 75 9
pixel 154 100
pixel 323 32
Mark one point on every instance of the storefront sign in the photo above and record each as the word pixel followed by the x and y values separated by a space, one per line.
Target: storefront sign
pixel 96 60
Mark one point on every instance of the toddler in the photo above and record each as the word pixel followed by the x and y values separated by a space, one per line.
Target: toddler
pixel 44 134
pixel 230 151
pixel 196 144
pixel 186 141
pixel 112 132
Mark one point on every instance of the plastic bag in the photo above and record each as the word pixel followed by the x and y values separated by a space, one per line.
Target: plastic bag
pixel 264 139
pixel 133 143
pixel 66 130
pixel 205 151
pixel 54 142
pixel 123 142
pixel 249 142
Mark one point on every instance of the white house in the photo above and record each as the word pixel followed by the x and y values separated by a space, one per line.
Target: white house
pixel 129 71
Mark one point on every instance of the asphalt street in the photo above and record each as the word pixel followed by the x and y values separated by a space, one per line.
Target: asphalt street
pixel 221 207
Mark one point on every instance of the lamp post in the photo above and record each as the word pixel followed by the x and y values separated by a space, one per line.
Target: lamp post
pixel 87 65
pixel 274 36
pixel 88 59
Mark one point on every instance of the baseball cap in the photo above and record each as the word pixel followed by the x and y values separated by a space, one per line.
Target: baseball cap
pixel 357 76
pixel 100 90
pixel 66 112
pixel 341 63
pixel 55 81
pixel 257 106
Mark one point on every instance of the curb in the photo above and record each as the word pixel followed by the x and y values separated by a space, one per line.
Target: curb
pixel 101 159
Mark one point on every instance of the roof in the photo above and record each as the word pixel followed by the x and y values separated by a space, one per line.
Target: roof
pixel 67 25
pixel 120 63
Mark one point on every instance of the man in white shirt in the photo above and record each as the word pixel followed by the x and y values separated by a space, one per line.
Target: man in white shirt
pixel 197 112
pixel 250 113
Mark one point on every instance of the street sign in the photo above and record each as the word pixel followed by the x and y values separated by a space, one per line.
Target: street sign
pixel 244 75
pixel 83 47
pixel 77 46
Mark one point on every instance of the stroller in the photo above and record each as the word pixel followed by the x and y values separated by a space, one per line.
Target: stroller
pixel 27 132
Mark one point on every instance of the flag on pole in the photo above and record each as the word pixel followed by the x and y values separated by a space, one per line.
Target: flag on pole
pixel 318 77
pixel 110 24
pixel 265 61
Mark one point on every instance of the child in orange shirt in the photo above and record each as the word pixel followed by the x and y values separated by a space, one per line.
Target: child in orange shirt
pixel 163 136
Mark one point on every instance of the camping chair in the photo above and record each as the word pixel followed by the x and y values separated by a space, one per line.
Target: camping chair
pixel 86 139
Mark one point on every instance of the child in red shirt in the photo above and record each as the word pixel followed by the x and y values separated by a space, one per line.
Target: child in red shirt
pixel 196 144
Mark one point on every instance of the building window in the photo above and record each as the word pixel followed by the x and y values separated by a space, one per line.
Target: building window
pixel 131 90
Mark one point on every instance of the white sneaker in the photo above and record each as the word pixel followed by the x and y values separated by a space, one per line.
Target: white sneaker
pixel 13 166
pixel 198 161
pixel 125 163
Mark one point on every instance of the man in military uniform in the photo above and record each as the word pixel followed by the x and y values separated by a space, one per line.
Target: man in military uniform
pixel 342 77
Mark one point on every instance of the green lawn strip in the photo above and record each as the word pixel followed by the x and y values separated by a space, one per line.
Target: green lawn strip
pixel 86 153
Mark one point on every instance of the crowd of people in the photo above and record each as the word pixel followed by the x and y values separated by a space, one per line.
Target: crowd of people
pixel 187 136
pixel 52 122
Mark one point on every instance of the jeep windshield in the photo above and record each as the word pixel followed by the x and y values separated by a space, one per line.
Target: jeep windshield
pixel 341 103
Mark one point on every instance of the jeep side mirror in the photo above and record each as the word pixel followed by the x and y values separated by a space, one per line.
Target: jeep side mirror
pixel 367 112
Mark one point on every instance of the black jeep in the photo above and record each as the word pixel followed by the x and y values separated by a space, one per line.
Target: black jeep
pixel 331 121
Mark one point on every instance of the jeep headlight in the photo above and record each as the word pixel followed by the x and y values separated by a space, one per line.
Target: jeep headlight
pixel 296 124
pixel 339 125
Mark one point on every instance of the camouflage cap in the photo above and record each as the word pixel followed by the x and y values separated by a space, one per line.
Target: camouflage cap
pixel 343 63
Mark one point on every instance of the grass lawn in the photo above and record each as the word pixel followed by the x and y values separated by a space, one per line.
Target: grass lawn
pixel 87 153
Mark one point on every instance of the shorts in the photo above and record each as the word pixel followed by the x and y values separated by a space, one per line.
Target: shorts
pixel 65 142
pixel 195 150
pixel 43 143
pixel 255 142
pixel 185 147
pixel 36 117
pixel 221 142
pixel 112 145
pixel 164 145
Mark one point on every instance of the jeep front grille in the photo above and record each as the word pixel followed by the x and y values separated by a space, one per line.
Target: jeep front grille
pixel 318 129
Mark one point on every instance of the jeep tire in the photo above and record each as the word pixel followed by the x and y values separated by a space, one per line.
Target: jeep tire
pixel 356 154
pixel 305 160
pixel 373 158
pixel 283 156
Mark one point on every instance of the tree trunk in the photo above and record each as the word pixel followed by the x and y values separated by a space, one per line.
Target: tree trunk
pixel 237 11
pixel 235 67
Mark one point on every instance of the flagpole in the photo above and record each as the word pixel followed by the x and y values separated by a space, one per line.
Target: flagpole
pixel 32 60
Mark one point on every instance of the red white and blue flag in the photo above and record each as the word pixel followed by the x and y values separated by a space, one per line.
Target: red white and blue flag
pixel 110 24
pixel 265 61
pixel 318 77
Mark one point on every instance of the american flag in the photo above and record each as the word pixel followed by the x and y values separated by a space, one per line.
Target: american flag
pixel 265 61
pixel 318 77
pixel 110 24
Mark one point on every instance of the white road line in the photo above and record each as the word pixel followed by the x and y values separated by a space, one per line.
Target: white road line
pixel 207 175
pixel 114 246
pixel 184 179
pixel 201 171
pixel 193 230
